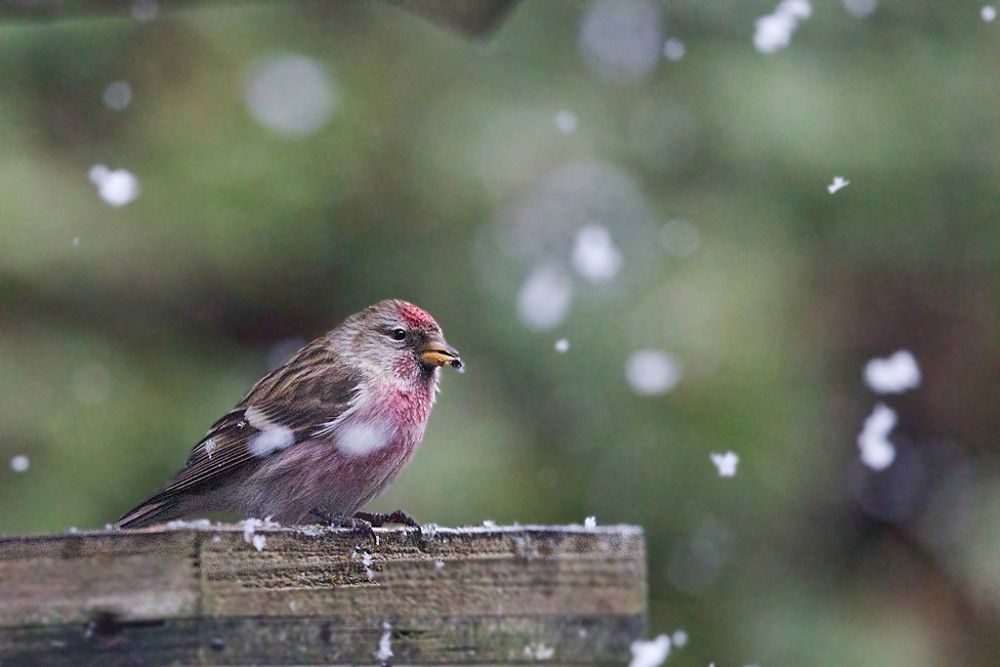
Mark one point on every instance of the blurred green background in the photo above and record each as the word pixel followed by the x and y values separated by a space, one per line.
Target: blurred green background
pixel 623 175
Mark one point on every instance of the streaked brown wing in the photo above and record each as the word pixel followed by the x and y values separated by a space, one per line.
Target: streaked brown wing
pixel 310 390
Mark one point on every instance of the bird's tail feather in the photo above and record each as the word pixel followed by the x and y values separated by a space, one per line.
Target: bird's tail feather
pixel 154 510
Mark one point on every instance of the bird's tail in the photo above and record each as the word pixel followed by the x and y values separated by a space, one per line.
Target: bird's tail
pixel 155 510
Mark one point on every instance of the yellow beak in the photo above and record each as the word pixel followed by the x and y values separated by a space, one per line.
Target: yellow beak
pixel 439 353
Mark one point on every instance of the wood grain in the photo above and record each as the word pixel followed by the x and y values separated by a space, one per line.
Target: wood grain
pixel 205 595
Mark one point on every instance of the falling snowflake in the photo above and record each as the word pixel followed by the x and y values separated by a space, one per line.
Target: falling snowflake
pixel 726 463
pixel 839 182
pixel 650 653
pixel 384 645
pixel 562 346
pixel 595 256
pixel 673 49
pixel 290 94
pixel 20 463
pixel 620 41
pixel 545 297
pixel 894 374
pixel 773 32
pixel 272 437
pixel 876 450
pixel 651 372
pixel 988 13
pixel 117 95
pixel 590 522
pixel 117 187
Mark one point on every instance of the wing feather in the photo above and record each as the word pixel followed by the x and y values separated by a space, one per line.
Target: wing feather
pixel 306 393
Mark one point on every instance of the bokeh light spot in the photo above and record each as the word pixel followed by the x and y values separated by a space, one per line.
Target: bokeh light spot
pixel 291 95
pixel 620 39
pixel 651 372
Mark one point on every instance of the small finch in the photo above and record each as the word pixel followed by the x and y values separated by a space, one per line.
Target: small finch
pixel 323 434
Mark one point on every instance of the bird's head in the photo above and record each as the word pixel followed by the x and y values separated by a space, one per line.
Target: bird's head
pixel 396 338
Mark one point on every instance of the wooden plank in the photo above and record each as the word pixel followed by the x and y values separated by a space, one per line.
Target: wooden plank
pixel 91 572
pixel 206 595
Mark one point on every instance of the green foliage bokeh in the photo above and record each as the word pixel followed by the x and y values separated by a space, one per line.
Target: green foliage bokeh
pixel 118 350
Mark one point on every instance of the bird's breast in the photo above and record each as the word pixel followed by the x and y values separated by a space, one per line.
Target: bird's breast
pixel 388 419
pixel 411 405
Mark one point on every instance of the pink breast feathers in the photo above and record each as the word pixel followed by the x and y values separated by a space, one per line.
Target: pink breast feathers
pixel 416 317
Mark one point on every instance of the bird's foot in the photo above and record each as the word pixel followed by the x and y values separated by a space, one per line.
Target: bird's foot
pixel 379 519
pixel 354 523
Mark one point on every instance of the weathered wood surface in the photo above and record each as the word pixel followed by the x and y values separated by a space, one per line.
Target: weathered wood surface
pixel 205 595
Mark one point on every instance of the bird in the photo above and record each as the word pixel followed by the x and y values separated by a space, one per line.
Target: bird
pixel 323 434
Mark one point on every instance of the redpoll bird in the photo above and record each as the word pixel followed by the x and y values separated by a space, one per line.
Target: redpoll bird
pixel 321 435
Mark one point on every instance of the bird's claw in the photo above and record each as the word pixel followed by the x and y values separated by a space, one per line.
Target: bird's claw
pixel 379 519
pixel 354 523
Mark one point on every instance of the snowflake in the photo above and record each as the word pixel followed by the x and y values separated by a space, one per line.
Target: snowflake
pixel 117 187
pixel 20 463
pixel 650 653
pixel 876 450
pixel 384 645
pixel 894 374
pixel 838 183
pixel 726 463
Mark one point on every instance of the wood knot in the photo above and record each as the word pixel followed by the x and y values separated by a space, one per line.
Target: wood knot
pixel 104 627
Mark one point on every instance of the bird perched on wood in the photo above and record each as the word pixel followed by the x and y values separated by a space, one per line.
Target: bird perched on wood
pixel 323 434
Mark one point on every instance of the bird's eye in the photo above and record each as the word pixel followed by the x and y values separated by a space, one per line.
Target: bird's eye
pixel 398 334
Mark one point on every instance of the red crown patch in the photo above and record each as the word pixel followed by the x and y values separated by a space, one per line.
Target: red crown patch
pixel 416 317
